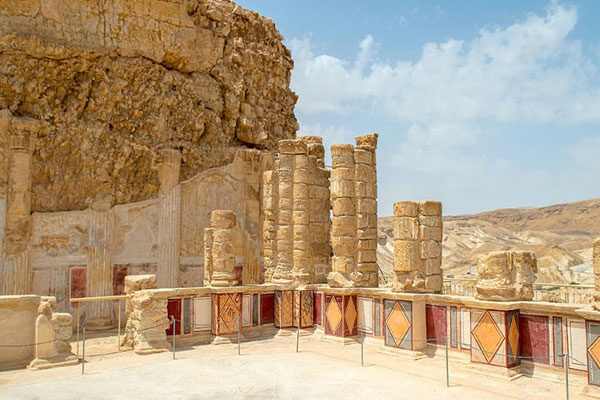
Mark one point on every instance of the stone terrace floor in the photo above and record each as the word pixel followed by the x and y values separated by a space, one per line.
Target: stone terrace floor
pixel 271 369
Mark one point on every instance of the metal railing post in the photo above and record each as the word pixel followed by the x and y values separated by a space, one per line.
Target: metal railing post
pixel 298 333
pixel 567 374
pixel 119 328
pixel 78 329
pixel 174 324
pixel 83 353
pixel 239 335
pixel 447 363
pixel 362 349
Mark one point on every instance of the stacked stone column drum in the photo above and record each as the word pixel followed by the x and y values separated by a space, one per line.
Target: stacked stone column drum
pixel 418 246
pixel 219 255
pixel 296 206
pixel 354 223
pixel 506 276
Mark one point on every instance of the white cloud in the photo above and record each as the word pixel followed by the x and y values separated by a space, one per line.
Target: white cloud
pixel 529 71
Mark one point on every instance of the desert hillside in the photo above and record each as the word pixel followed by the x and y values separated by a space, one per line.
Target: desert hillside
pixel 560 235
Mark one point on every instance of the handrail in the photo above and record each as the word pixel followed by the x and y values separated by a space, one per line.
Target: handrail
pixel 84 299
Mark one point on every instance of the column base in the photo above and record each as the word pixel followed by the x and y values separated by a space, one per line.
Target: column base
pixel 53 362
pixel 229 339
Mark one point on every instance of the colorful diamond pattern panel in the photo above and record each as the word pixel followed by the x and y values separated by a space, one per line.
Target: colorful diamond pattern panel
pixel 303 302
pixel 512 338
pixel 397 323
pixel 333 315
pixel 350 314
pixel 227 310
pixel 284 300
pixel 488 336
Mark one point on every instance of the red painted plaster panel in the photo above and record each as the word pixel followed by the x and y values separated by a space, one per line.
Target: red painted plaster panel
pixel 534 338
pixel 436 321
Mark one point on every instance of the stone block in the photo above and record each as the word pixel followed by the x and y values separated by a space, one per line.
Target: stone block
pixel 342 189
pixel 406 209
pixel 301 217
pixel 292 146
pixel 367 244
pixel 365 221
pixel 343 246
pixel 366 256
pixel 342 264
pixel 301 191
pixel 363 156
pixel 433 283
pixel 405 228
pixel 342 174
pixel 301 162
pixel 366 206
pixel 431 233
pixel 364 173
pixel 302 176
pixel 343 226
pixel 224 219
pixel 431 221
pixel 429 207
pixel 368 233
pixel 433 266
pixel 344 206
pixel 407 255
pixel 368 140
pixel 430 249
pixel 285 217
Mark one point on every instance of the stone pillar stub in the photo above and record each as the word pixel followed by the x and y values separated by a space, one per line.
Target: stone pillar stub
pixel 506 276
pixel 222 223
pixel 417 237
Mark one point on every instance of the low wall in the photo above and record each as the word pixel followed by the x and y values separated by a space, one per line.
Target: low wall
pixel 17 327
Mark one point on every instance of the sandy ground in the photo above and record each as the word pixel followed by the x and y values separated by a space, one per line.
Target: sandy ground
pixel 270 369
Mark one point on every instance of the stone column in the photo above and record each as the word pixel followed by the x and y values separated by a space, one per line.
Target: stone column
pixel 418 246
pixel 430 234
pixel 223 223
pixel 302 271
pixel 319 206
pixel 366 207
pixel 99 314
pixel 270 225
pixel 343 232
pixel 285 228
pixel 408 268
pixel 169 219
pixel 17 277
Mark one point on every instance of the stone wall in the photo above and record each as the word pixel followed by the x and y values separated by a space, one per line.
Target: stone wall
pixel 113 83
pixel 418 246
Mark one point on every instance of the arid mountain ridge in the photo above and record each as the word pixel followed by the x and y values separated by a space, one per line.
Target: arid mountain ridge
pixel 561 236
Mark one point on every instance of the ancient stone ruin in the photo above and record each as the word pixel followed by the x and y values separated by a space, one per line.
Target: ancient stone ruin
pixel 418 246
pixel 148 155
pixel 506 275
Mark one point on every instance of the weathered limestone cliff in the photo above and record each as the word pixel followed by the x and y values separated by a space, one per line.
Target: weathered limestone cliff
pixel 112 82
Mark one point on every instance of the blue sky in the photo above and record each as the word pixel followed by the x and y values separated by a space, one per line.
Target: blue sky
pixel 480 105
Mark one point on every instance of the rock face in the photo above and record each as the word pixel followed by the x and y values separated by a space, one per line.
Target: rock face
pixel 113 82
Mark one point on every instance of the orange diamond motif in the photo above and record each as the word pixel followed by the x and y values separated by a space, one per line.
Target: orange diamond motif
pixel 350 314
pixel 334 315
pixel 397 323
pixel 513 337
pixel 488 336
pixel 594 351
